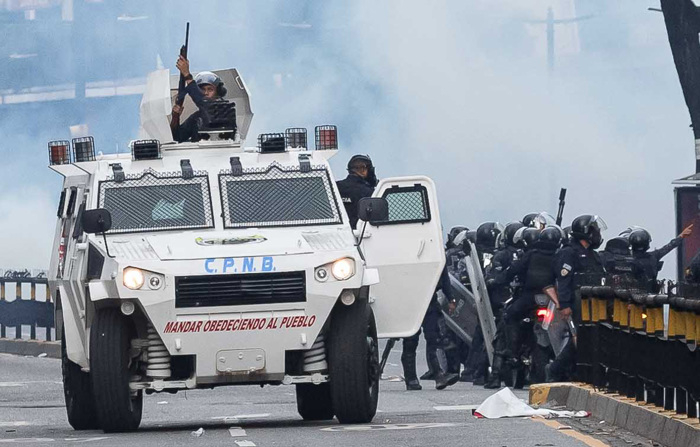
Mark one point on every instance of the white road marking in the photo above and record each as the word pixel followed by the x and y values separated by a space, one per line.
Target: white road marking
pixel 14 424
pixel 24 384
pixel 245 443
pixel 374 427
pixel 63 441
pixel 243 416
pixel 455 407
pixel 236 432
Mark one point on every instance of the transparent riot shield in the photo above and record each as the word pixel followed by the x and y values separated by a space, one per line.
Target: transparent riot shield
pixel 481 300
pixel 460 316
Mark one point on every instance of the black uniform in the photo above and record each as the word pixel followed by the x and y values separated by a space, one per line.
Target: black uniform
pixel 576 266
pixel 497 279
pixel 536 272
pixel 352 189
pixel 189 130
pixel 647 264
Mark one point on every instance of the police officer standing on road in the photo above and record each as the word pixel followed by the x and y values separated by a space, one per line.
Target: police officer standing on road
pixel 359 183
pixel 576 265
pixel 648 263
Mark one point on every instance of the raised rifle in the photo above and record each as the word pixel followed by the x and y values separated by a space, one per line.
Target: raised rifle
pixel 183 52
pixel 562 202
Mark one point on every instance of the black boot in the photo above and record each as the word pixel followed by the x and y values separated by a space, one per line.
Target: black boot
pixel 431 357
pixel 409 373
pixel 443 380
pixel 495 374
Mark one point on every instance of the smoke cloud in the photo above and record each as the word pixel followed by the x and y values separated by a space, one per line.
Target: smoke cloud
pixel 457 90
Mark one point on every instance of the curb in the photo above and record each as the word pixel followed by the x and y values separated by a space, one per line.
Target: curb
pixel 657 424
pixel 31 347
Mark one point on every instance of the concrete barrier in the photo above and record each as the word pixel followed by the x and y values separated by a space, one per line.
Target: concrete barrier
pixel 663 426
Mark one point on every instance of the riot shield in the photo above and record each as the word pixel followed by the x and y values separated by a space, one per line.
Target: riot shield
pixel 461 317
pixel 481 299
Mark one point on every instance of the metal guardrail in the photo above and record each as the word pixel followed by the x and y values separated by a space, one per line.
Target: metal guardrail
pixel 25 312
pixel 628 344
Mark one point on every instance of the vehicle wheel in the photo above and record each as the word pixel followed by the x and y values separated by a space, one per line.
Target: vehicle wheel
pixel 540 359
pixel 77 391
pixel 353 358
pixel 111 367
pixel 314 401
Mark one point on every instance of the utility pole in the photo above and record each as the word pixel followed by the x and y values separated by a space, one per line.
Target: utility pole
pixel 550 23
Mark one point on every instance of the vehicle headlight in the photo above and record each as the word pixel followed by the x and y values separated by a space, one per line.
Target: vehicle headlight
pixel 343 269
pixel 133 278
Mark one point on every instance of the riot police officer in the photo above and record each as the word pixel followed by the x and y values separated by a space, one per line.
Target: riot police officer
pixel 203 88
pixel 486 236
pixel 359 183
pixel 499 283
pixel 617 254
pixel 576 265
pixel 648 263
pixel 535 270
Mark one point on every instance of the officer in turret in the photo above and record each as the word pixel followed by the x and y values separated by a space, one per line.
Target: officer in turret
pixel 359 183
pixel 203 88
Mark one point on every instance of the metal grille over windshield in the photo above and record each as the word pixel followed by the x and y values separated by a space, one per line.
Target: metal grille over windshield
pixel 278 196
pixel 153 201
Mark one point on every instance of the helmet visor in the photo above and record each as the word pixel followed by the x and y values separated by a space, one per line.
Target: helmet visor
pixel 599 223
pixel 461 236
pixel 207 77
pixel 543 220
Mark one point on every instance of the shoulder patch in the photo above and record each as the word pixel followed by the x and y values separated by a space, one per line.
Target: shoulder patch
pixel 564 272
pixel 567 267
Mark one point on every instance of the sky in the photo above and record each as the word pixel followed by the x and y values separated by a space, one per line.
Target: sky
pixel 456 90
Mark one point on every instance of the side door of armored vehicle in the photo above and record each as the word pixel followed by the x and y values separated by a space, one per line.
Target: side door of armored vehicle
pixel 407 250
pixel 68 268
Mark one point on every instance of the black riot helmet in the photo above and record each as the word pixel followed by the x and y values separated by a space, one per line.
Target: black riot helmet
pixel 640 239
pixel 588 227
pixel 619 245
pixel 529 219
pixel 509 233
pixel 356 161
pixel 454 231
pixel 526 237
pixel 549 238
pixel 486 236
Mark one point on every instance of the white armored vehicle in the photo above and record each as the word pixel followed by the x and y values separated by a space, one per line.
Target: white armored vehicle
pixel 195 265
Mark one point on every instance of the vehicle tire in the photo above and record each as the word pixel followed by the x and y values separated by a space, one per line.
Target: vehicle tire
pixel 110 366
pixel 77 391
pixel 540 359
pixel 314 401
pixel 353 360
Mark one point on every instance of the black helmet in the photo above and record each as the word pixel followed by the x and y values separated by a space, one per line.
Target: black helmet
pixel 454 231
pixel 357 160
pixel 619 245
pixel 640 240
pixel 207 77
pixel 486 236
pixel 588 227
pixel 549 238
pixel 509 233
pixel 525 237
pixel 529 219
